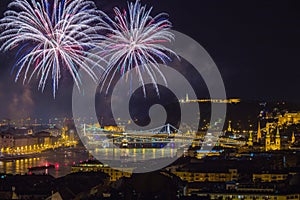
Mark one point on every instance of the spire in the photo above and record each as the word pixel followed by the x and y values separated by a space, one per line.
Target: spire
pixel 277 133
pixel 258 132
pixel 229 129
pixel 277 140
pixel 250 140
pixel 293 138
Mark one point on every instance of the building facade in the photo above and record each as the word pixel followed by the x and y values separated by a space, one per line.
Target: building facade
pixel 270 143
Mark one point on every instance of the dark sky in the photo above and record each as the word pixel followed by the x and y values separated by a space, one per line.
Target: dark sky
pixel 255 44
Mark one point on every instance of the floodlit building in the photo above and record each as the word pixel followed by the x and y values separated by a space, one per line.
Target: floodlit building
pixel 114 128
pixel 210 176
pixel 272 145
pixel 270 176
pixel 114 174
pixel 289 118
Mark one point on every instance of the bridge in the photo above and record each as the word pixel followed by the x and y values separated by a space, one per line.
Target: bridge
pixel 162 130
pixel 160 136
pixel 166 129
pixel 156 137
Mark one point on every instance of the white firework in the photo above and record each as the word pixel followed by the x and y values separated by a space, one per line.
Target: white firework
pixel 52 35
pixel 135 39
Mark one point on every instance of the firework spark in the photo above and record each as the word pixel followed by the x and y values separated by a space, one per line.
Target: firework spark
pixel 52 36
pixel 136 40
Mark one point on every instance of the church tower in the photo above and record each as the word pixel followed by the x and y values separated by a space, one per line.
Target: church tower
pixel 258 138
pixel 268 139
pixel 250 140
pixel 229 129
pixel 274 144
pixel 277 140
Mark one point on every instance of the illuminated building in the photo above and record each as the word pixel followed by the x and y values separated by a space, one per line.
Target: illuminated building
pixel 289 118
pixel 226 101
pixel 6 140
pixel 21 141
pixel 114 174
pixel 269 145
pixel 114 128
pixel 15 144
pixel 44 138
pixel 270 177
pixel 203 153
pixel 210 176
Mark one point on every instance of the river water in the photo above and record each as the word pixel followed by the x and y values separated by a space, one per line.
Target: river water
pixel 62 159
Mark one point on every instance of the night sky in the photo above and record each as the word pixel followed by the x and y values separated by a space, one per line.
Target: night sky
pixel 255 44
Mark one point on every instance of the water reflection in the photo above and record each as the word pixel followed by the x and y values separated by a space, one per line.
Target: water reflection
pixel 134 154
pixel 62 161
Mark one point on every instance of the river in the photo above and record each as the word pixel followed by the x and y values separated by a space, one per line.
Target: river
pixel 62 159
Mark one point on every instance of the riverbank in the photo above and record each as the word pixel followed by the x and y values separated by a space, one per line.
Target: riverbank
pixel 37 154
pixel 62 158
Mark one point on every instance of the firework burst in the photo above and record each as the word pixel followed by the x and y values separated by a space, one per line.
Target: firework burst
pixel 136 40
pixel 52 36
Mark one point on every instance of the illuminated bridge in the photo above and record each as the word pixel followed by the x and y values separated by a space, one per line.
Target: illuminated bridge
pixel 156 137
pixel 167 129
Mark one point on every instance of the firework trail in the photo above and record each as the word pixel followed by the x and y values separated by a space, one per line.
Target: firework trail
pixel 52 36
pixel 135 40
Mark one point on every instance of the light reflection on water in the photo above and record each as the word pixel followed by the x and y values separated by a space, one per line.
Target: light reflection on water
pixel 134 154
pixel 63 160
